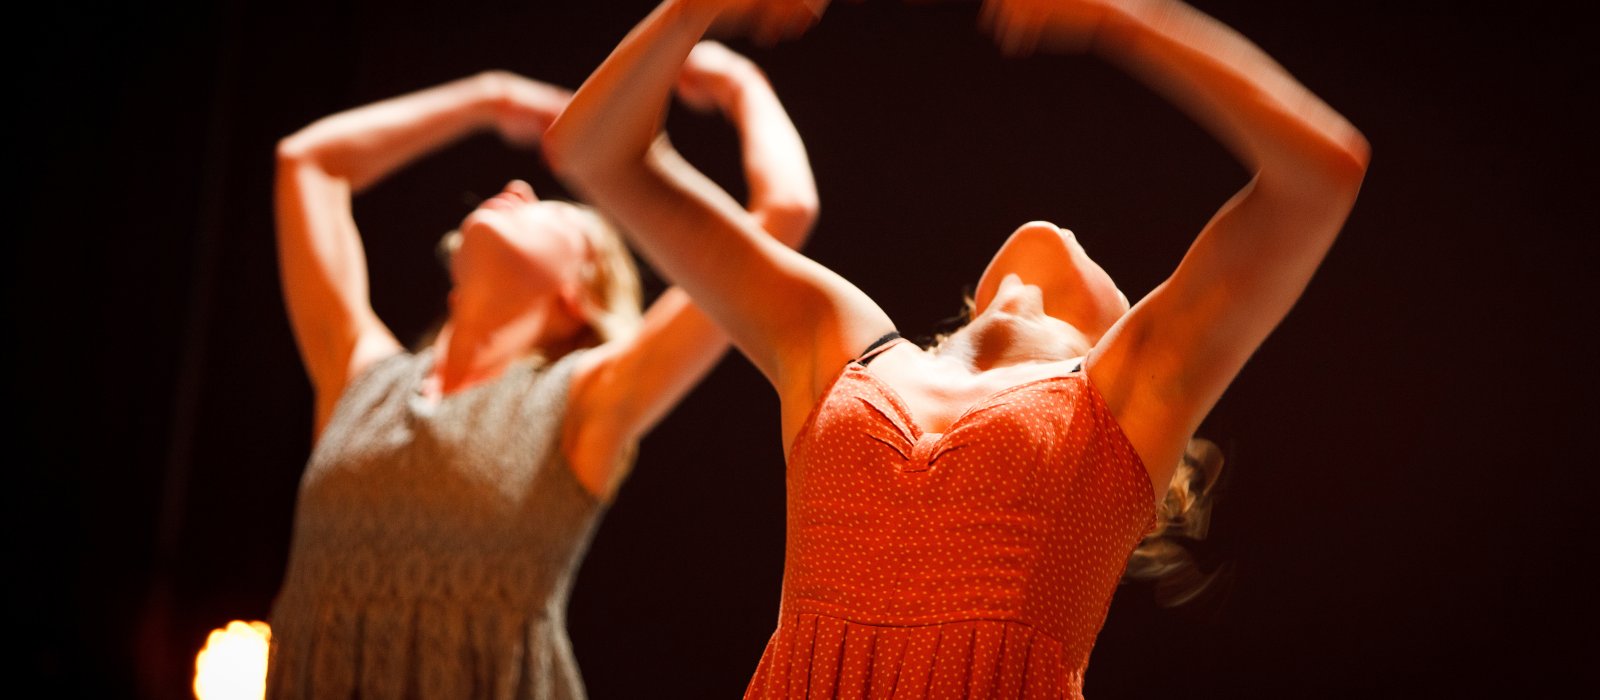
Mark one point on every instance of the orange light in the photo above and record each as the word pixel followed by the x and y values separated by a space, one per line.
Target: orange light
pixel 233 663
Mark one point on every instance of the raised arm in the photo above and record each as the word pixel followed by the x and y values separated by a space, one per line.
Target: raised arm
pixel 625 387
pixel 321 261
pixel 796 321
pixel 1165 364
pixel 777 173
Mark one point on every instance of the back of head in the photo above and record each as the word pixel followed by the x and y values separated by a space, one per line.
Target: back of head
pixel 1167 557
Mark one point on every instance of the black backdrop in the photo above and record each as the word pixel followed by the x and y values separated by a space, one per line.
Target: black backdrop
pixel 1407 508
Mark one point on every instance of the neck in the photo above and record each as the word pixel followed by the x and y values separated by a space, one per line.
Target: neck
pixel 480 342
pixel 995 340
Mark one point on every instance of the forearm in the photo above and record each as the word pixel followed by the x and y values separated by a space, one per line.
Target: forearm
pixel 1271 122
pixel 607 146
pixel 615 117
pixel 783 192
pixel 364 144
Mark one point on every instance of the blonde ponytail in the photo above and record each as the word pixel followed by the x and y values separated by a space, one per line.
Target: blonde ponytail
pixel 1166 557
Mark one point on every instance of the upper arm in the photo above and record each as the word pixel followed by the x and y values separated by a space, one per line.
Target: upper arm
pixel 323 271
pixel 791 316
pixel 1167 361
pixel 622 388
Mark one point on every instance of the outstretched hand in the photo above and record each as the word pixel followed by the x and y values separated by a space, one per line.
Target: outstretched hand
pixel 523 107
pixel 1023 26
pixel 764 21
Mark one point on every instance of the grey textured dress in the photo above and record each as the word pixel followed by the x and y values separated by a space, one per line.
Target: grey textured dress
pixel 435 543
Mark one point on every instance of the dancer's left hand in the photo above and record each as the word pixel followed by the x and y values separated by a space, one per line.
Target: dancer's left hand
pixel 1023 26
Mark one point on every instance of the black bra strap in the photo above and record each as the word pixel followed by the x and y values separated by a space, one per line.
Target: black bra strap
pixel 877 347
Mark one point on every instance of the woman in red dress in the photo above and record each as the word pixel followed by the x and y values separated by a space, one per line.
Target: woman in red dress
pixel 958 516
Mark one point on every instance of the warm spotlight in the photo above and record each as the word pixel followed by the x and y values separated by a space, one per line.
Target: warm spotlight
pixel 233 664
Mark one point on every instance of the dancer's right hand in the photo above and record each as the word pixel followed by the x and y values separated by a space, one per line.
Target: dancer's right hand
pixel 764 21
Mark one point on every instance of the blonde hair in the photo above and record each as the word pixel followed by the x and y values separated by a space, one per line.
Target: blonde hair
pixel 612 303
pixel 1166 557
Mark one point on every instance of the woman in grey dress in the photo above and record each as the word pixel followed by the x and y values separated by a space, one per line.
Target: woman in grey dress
pixel 452 491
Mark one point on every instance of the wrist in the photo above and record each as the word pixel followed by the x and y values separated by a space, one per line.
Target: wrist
pixel 695 15
pixel 738 82
pixel 489 97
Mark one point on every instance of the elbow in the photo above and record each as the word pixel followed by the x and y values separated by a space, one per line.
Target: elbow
pixel 791 219
pixel 581 154
pixel 803 211
pixel 304 149
pixel 804 206
pixel 562 149
pixel 1342 159
pixel 554 148
pixel 1349 161
pixel 1346 175
pixel 293 150
pixel 567 160
pixel 1330 170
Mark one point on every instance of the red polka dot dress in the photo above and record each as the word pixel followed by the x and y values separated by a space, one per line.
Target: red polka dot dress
pixel 974 563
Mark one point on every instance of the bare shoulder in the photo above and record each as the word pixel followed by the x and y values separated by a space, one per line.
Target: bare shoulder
pixel 588 370
pixel 1155 424
pixel 595 449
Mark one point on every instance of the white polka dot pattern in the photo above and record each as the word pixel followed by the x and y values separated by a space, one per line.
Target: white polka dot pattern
pixel 979 562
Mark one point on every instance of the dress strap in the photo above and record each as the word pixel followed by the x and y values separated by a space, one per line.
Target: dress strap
pixel 877 347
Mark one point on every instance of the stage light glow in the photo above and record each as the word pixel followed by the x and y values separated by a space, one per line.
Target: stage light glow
pixel 233 663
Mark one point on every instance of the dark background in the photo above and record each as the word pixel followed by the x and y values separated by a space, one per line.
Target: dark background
pixel 1408 510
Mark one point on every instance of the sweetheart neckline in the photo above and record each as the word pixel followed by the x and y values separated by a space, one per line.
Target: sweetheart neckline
pixel 904 408
pixel 932 451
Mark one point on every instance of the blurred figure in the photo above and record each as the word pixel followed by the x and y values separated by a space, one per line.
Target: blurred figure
pixel 959 516
pixel 452 491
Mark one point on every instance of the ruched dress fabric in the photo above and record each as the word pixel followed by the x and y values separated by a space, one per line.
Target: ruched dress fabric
pixel 435 543
pixel 976 563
